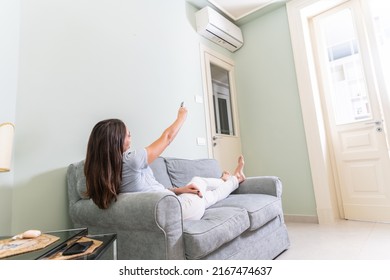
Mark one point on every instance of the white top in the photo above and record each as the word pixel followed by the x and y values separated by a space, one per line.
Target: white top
pixel 137 176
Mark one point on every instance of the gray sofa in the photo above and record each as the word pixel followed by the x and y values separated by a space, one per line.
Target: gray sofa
pixel 248 224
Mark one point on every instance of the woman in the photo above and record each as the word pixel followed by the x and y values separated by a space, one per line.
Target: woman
pixel 111 168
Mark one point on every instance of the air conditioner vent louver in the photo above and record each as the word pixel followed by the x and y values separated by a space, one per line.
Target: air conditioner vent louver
pixel 218 29
pixel 221 41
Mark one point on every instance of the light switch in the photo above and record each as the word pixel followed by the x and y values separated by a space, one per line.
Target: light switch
pixel 201 141
pixel 198 99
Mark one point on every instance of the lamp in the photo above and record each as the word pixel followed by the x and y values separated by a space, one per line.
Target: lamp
pixel 6 140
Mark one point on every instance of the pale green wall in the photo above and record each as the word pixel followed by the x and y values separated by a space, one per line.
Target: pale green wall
pixel 9 51
pixel 83 61
pixel 273 136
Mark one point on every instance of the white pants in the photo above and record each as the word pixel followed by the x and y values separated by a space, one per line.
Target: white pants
pixel 212 189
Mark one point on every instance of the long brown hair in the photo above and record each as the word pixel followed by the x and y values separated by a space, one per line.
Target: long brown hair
pixel 103 162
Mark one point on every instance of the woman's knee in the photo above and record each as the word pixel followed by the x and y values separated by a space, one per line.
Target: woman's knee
pixel 192 205
pixel 196 179
pixel 199 183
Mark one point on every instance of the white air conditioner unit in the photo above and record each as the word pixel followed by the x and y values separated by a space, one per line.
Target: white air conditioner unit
pixel 218 29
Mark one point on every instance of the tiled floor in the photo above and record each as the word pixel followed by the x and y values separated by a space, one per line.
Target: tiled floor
pixel 345 240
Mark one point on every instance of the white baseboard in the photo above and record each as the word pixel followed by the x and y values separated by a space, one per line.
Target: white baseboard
pixel 300 219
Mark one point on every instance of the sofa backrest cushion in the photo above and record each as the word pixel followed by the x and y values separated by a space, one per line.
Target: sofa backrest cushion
pixel 158 166
pixel 167 171
pixel 181 171
pixel 160 172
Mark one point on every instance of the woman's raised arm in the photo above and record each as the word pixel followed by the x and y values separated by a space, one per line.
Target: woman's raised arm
pixel 155 149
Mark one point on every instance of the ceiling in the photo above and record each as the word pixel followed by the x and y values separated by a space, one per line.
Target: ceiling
pixel 239 11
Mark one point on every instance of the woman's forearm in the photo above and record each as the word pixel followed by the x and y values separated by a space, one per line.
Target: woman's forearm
pixel 157 147
pixel 170 133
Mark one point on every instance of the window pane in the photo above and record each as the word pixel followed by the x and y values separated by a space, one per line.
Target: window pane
pixel 223 116
pixel 349 90
pixel 222 100
pixel 381 18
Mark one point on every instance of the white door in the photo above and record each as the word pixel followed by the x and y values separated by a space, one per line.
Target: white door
pixel 354 116
pixel 221 109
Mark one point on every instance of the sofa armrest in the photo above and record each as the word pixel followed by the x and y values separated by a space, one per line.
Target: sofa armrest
pixel 136 211
pixel 270 185
pixel 149 225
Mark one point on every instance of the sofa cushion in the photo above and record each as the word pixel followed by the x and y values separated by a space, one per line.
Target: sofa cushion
pixel 261 208
pixel 217 227
pixel 181 171
pixel 160 172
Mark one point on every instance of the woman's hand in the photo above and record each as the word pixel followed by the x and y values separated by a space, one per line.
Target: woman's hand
pixel 182 114
pixel 191 188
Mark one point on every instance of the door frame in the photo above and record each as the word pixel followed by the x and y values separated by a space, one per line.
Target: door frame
pixel 324 183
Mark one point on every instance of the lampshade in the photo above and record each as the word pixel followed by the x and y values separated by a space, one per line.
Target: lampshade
pixel 6 140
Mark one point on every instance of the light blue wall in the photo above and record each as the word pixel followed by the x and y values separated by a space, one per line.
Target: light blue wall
pixel 273 136
pixel 83 61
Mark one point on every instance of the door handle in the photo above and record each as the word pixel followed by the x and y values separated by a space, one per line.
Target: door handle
pixel 215 138
pixel 374 122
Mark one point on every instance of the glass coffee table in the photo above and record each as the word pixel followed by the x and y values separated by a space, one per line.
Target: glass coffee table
pixel 67 237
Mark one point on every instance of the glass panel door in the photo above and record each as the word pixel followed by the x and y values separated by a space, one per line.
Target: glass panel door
pixel 221 109
pixel 354 120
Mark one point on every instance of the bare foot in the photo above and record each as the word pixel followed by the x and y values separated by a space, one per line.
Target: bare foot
pixel 225 176
pixel 239 172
